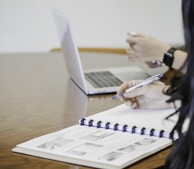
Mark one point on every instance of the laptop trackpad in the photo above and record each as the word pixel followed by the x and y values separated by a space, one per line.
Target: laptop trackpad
pixel 130 73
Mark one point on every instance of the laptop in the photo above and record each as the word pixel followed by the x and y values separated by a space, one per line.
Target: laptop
pixel 91 82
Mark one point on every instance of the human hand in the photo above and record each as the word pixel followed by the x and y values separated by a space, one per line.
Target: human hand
pixel 147 97
pixel 143 46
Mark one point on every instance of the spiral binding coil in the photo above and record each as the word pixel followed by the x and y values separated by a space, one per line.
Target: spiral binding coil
pixel 125 128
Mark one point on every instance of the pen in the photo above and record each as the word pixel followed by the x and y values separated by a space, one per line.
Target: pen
pixel 145 82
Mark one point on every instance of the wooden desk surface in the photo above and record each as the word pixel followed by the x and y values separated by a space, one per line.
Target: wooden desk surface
pixel 37 97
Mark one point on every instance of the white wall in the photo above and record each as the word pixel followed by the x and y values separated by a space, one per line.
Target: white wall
pixel 28 25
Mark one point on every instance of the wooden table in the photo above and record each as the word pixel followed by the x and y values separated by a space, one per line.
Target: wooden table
pixel 37 97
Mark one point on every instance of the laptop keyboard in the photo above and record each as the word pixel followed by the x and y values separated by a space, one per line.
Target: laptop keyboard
pixel 103 79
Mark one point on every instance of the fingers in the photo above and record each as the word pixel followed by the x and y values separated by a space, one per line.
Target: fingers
pixel 138 35
pixel 135 34
pixel 132 102
pixel 135 92
pixel 132 105
pixel 134 98
pixel 127 85
pixel 132 40
pixel 122 89
pixel 131 53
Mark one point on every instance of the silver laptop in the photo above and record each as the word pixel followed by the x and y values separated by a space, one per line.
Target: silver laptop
pixel 91 82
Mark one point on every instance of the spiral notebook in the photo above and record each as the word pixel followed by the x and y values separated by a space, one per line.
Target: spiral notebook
pixel 112 139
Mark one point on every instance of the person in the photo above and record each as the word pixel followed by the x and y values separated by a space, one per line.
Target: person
pixel 181 89
pixel 144 46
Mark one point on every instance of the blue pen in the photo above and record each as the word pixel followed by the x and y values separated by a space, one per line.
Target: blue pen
pixel 145 82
